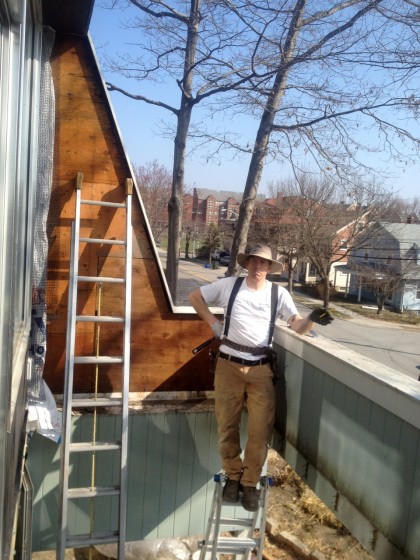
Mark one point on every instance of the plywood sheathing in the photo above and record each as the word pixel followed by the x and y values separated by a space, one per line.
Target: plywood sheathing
pixel 86 140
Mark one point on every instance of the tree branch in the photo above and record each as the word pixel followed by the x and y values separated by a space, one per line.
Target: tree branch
pixel 401 102
pixel 112 87
pixel 170 13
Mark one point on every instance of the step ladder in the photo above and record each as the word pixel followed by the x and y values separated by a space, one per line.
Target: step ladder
pixel 248 540
pixel 71 451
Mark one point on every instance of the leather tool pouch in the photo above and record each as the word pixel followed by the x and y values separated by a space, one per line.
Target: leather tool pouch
pixel 272 356
pixel 214 354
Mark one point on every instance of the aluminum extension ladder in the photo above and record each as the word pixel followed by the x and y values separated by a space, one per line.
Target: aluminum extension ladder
pixel 94 401
pixel 246 543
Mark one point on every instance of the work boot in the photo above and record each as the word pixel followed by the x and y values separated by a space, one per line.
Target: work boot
pixel 250 498
pixel 231 491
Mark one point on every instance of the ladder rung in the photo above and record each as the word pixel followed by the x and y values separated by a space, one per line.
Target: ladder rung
pixel 101 241
pixel 98 360
pixel 99 319
pixel 77 541
pixel 241 522
pixel 103 203
pixel 94 446
pixel 92 402
pixel 225 544
pixel 100 279
pixel 94 491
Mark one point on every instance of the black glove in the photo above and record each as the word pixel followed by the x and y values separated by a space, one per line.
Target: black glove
pixel 321 316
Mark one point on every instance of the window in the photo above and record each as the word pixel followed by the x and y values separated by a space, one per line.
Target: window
pixel 20 42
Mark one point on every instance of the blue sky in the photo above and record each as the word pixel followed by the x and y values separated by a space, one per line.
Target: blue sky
pixel 141 124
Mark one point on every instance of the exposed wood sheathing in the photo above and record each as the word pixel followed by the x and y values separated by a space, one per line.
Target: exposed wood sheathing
pixel 87 140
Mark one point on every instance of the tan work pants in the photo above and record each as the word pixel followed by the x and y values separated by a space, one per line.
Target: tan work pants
pixel 236 385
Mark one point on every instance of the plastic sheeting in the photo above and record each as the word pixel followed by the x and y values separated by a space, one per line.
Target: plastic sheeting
pixel 182 548
pixel 42 409
pixel 44 416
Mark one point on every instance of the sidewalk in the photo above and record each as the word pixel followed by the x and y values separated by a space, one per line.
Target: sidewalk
pixel 187 285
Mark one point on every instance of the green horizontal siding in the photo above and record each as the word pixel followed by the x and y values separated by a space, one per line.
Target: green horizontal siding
pixel 366 453
pixel 172 460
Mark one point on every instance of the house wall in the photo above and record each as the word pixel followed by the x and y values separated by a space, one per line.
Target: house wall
pixel 394 241
pixel 20 71
pixel 408 299
pixel 172 459
pixel 87 141
pixel 353 433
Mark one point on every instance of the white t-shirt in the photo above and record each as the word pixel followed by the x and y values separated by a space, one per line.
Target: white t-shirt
pixel 251 312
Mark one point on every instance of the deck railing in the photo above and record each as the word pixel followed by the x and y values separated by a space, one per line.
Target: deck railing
pixel 351 428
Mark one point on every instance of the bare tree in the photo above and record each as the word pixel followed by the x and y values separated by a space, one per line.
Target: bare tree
pixel 155 185
pixel 212 241
pixel 340 67
pixel 329 222
pixel 196 46
pixel 401 210
pixel 189 233
pixel 314 74
pixel 383 280
pixel 290 242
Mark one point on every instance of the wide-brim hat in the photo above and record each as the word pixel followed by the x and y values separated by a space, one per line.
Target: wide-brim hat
pixel 263 252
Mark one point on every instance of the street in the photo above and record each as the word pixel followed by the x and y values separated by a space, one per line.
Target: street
pixel 397 347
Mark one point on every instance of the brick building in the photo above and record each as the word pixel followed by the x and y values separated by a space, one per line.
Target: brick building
pixel 206 206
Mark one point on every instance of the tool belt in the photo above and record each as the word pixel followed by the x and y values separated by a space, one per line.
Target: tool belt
pixel 254 350
pixel 270 355
pixel 243 361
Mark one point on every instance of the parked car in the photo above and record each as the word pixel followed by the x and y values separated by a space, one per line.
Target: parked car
pixel 217 255
pixel 224 261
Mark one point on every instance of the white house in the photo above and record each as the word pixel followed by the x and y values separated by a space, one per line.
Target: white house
pixel 389 260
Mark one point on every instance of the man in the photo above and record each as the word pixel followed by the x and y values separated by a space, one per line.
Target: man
pixel 243 373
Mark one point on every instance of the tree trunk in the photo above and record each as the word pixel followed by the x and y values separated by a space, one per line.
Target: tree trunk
pixel 184 118
pixel 175 202
pixel 261 142
pixel 290 279
pixel 380 301
pixel 326 292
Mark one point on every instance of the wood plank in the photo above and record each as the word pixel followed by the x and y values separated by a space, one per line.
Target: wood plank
pixel 86 140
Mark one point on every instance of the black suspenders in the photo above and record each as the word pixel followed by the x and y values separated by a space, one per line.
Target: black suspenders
pixel 233 294
pixel 274 299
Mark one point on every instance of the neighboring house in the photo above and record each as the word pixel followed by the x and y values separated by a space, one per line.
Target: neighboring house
pixel 387 264
pixel 281 217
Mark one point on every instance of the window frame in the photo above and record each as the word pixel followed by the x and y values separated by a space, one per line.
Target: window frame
pixel 21 43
